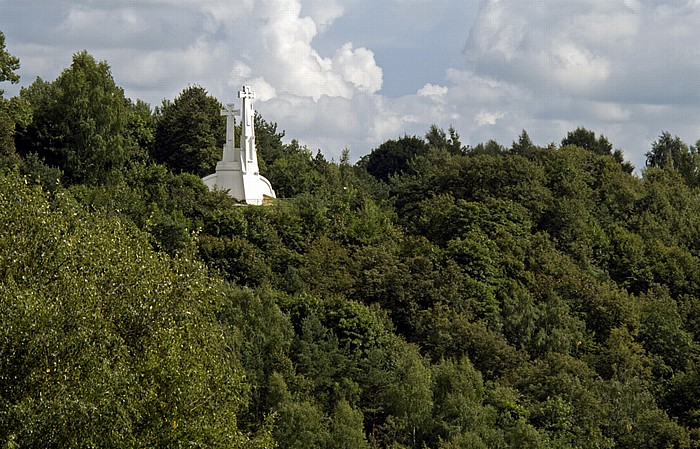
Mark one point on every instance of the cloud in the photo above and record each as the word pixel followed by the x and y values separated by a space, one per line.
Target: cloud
pixel 434 92
pixel 323 12
pixel 338 73
pixel 275 41
pixel 358 67
pixel 488 118
pixel 551 65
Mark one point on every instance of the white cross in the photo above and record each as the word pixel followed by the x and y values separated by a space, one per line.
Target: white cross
pixel 230 112
pixel 247 93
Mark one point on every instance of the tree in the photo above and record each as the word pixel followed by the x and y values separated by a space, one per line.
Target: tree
pixel 346 427
pixel 458 393
pixel 292 170
pixel 79 122
pixel 666 152
pixel 268 142
pixel 190 132
pixel 8 64
pixel 524 144
pixel 393 156
pixel 437 138
pixel 140 133
pixel 586 139
pixel 104 342
pixel 672 153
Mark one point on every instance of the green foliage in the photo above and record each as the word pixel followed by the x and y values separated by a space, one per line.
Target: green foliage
pixel 268 142
pixel 293 172
pixel 106 342
pixel 673 154
pixel 13 112
pixel 8 64
pixel 10 111
pixel 437 138
pixel 79 122
pixel 394 156
pixel 346 428
pixel 430 296
pixel 190 132
pixel 586 139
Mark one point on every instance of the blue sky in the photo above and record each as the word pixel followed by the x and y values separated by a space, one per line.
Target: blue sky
pixel 354 73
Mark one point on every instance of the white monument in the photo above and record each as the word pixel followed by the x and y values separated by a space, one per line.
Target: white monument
pixel 237 171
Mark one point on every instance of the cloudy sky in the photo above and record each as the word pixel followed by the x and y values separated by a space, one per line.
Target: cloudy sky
pixel 354 73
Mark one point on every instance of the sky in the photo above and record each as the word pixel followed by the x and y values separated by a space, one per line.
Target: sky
pixel 337 74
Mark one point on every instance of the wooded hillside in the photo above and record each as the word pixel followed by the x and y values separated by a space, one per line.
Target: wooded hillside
pixel 432 295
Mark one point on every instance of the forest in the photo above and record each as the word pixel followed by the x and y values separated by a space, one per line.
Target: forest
pixel 430 295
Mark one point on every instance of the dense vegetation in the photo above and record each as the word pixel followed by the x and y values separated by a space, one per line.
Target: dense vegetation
pixel 430 296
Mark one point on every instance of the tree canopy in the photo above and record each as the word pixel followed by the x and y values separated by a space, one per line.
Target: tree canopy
pixel 432 295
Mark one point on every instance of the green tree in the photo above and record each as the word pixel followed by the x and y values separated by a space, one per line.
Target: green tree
pixel 79 122
pixel 437 138
pixel 667 152
pixel 393 156
pixel 8 109
pixel 190 132
pixel 8 64
pixel 300 424
pixel 104 342
pixel 293 173
pixel 346 428
pixel 140 133
pixel 262 335
pixel 268 142
pixel 586 139
pixel 459 412
pixel 524 144
pixel 672 153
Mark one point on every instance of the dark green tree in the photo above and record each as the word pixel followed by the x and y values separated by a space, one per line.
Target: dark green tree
pixel 587 140
pixel 268 142
pixel 393 156
pixel 346 428
pixel 667 152
pixel 672 153
pixel 190 132
pixel 140 133
pixel 524 144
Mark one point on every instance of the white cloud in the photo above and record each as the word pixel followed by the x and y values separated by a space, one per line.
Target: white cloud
pixel 240 72
pixel 275 41
pixel 432 91
pixel 488 118
pixel 358 67
pixel 263 90
pixel 597 64
pixel 574 67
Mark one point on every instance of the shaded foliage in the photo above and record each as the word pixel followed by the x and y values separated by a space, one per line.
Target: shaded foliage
pixel 190 132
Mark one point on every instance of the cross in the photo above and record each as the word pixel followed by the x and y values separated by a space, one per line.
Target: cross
pixel 230 112
pixel 247 93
